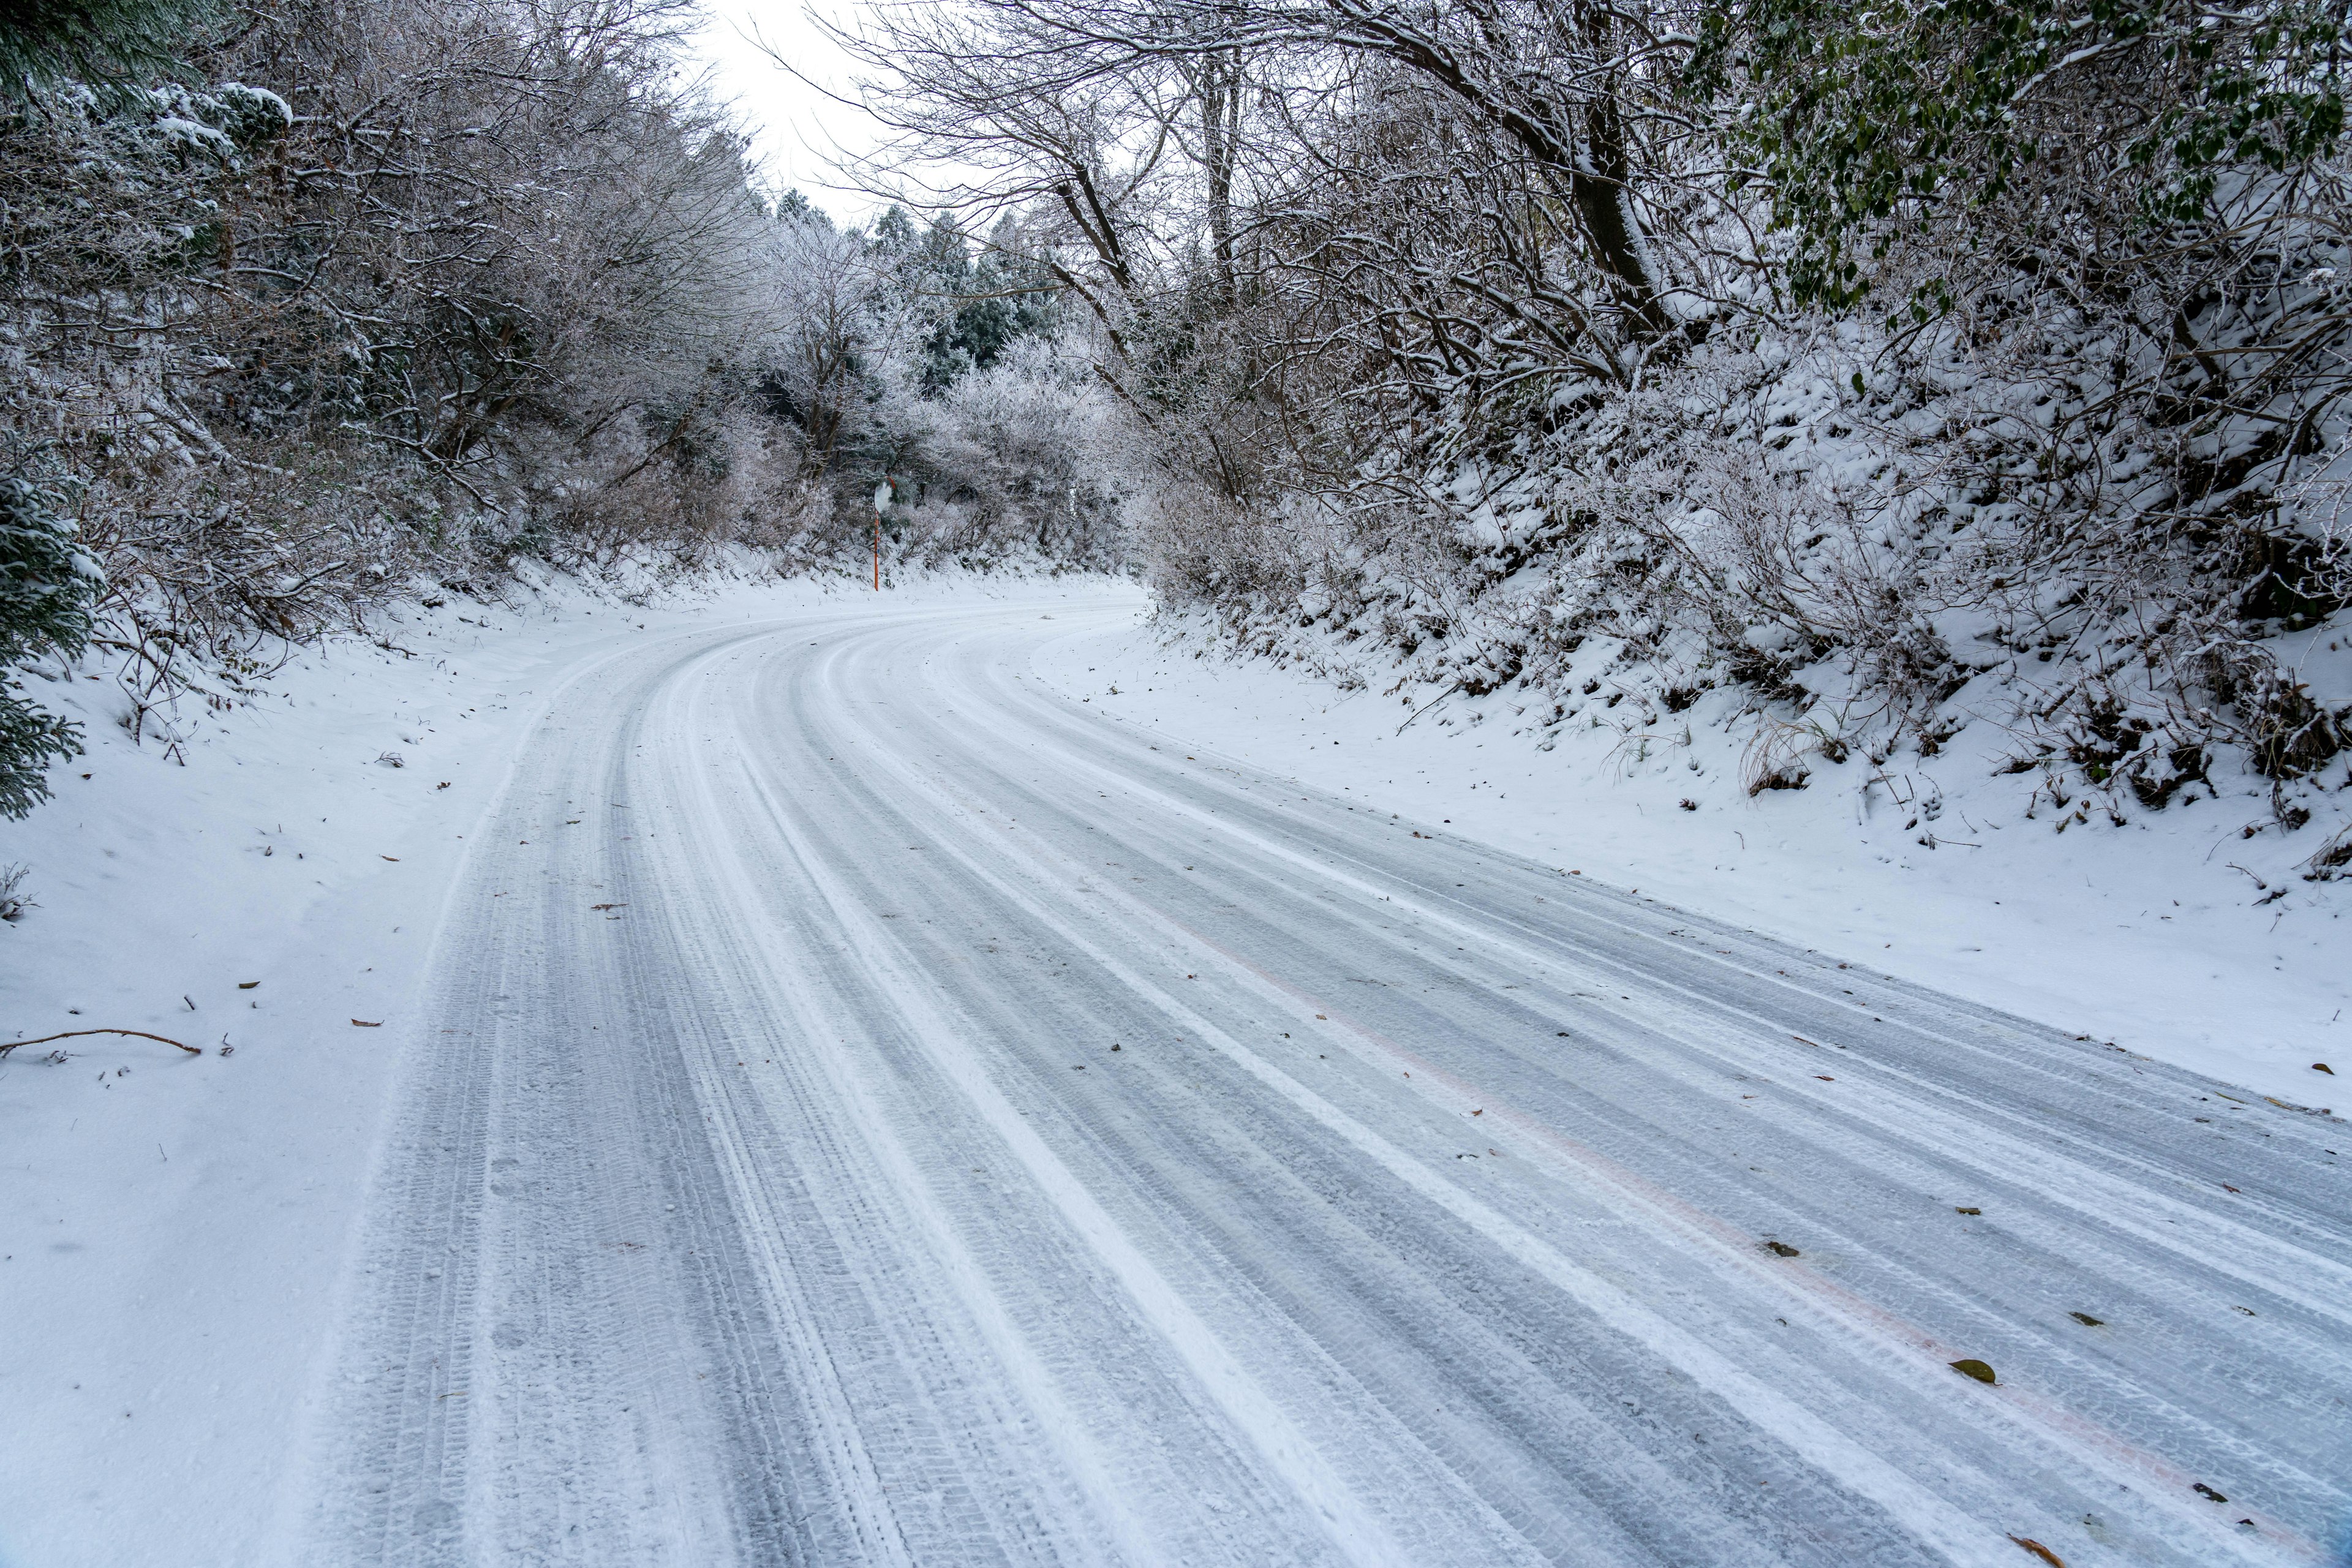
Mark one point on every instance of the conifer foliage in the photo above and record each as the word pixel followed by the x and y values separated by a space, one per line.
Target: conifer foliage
pixel 46 589
pixel 42 41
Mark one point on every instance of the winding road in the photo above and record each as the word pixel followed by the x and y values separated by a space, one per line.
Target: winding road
pixel 876 1109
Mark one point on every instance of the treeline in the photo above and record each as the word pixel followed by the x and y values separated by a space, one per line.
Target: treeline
pixel 1885 368
pixel 303 305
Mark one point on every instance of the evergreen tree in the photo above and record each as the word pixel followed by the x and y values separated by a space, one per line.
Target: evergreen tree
pixel 94 40
pixel 45 588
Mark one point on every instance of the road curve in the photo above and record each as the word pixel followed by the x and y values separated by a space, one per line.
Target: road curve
pixel 871 1109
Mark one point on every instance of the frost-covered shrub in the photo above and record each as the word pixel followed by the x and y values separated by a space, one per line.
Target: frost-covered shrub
pixel 14 901
pixel 1019 448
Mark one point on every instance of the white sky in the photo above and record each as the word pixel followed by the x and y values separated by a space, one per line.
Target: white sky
pixel 794 129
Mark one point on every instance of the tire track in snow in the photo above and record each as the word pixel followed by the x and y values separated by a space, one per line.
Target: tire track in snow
pixel 1209 1309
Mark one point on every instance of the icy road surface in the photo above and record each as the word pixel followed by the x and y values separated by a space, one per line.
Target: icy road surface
pixel 874 1109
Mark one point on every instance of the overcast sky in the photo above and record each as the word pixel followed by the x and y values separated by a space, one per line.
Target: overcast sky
pixel 795 128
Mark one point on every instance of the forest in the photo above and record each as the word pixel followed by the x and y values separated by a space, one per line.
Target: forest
pixel 1884 370
pixel 341 303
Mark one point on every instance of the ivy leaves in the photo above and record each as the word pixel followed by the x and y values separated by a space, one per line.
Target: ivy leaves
pixel 1868 124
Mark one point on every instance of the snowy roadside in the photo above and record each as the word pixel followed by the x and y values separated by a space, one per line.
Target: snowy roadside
pixel 175 1225
pixel 2155 935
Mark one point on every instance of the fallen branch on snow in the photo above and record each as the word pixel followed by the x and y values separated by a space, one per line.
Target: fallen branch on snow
pixel 6 1046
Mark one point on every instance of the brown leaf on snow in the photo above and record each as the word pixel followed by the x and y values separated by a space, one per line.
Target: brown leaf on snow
pixel 1968 1366
pixel 363 1024
pixel 1781 1249
pixel 2040 1551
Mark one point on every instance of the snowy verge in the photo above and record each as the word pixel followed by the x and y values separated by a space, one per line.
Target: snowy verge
pixel 2176 934
pixel 175 1225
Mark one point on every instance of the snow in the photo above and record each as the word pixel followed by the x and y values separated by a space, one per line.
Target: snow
pixel 175 1225
pixel 2150 935
pixel 183 1242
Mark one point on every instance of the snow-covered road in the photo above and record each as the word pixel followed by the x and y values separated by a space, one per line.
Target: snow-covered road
pixel 872 1109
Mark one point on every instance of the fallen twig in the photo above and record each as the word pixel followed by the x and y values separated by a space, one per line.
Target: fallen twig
pixel 7 1046
pixel 1425 707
